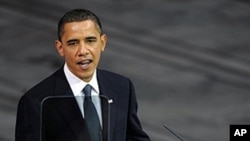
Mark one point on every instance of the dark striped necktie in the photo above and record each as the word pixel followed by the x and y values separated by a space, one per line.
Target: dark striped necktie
pixel 91 115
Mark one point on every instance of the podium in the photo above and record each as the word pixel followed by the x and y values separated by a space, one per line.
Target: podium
pixel 62 118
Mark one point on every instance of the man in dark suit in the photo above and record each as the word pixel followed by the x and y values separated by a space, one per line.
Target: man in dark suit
pixel 80 42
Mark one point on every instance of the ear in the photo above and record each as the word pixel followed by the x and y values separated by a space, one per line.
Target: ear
pixel 58 45
pixel 104 41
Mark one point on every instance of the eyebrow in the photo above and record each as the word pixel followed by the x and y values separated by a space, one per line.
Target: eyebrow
pixel 77 40
pixel 72 40
pixel 91 37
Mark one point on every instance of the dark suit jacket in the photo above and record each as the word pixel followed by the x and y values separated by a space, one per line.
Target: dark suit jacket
pixel 66 121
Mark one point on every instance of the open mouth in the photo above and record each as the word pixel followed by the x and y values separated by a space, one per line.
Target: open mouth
pixel 84 64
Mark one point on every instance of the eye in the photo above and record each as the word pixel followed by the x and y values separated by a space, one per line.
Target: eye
pixel 72 43
pixel 91 40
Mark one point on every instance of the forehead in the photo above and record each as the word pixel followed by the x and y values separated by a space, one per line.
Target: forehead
pixel 81 26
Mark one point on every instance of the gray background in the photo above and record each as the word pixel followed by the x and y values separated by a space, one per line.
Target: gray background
pixel 189 59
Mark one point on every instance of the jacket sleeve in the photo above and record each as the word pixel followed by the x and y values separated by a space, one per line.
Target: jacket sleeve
pixel 27 120
pixel 134 130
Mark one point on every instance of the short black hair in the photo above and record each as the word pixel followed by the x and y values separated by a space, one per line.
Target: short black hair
pixel 77 15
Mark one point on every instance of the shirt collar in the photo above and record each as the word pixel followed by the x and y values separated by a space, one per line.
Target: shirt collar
pixel 77 84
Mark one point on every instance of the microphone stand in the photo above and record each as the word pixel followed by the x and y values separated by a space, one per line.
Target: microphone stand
pixel 173 132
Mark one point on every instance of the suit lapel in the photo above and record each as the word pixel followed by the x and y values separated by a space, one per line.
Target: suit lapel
pixel 108 105
pixel 72 113
pixel 68 106
pixel 62 87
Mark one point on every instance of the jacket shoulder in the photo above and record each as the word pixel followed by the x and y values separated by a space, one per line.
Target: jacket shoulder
pixel 43 88
pixel 113 80
pixel 108 75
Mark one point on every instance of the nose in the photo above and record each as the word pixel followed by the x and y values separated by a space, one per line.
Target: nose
pixel 83 50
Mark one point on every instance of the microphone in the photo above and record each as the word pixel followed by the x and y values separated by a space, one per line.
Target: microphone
pixel 173 132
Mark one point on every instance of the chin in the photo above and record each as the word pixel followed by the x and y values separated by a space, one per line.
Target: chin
pixel 86 76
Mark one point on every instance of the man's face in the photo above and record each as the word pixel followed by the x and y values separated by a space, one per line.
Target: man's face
pixel 81 45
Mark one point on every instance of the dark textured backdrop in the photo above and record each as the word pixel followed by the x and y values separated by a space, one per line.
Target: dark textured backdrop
pixel 189 60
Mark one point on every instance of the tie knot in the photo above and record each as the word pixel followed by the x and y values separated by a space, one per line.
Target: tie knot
pixel 87 90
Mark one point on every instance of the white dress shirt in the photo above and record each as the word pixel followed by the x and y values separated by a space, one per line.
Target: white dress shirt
pixel 77 85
